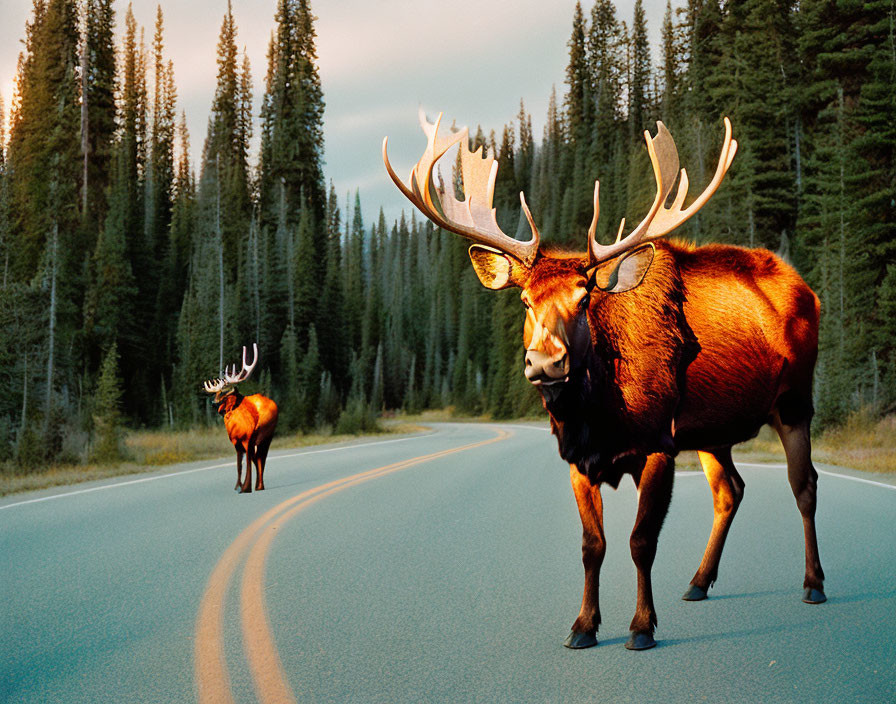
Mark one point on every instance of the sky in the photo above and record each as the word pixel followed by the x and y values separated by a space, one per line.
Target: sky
pixel 379 62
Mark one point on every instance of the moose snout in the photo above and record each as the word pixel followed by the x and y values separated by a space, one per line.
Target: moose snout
pixel 542 368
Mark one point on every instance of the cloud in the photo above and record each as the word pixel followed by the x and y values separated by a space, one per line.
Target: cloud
pixel 472 59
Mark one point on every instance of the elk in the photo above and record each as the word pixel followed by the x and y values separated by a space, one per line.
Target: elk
pixel 250 421
pixel 644 348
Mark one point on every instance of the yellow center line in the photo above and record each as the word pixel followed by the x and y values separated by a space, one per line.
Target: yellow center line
pixel 212 679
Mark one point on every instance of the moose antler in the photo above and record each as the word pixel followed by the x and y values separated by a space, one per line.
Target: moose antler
pixel 661 221
pixel 474 217
pixel 231 376
pixel 213 386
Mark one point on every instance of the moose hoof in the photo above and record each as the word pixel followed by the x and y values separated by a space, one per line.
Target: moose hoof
pixel 694 593
pixel 577 641
pixel 813 596
pixel 640 641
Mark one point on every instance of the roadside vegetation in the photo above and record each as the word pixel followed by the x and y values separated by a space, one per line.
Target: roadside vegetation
pixel 863 442
pixel 131 271
pixel 149 450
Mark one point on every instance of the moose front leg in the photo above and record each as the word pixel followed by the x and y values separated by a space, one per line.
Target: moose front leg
pixel 239 466
pixel 654 494
pixel 591 511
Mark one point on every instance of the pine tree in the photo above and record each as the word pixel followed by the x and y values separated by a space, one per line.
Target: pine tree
pixel 107 420
pixel 44 146
pixel 98 112
pixel 579 114
pixel 110 303
pixel 672 68
pixel 609 142
pixel 5 225
pixel 639 85
pixel 845 224
pixel 334 335
pixel 44 167
pixel 292 123
pixel 160 171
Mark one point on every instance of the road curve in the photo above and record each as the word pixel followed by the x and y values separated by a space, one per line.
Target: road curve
pixel 439 567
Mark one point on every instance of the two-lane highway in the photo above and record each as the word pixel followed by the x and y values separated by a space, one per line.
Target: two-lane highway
pixel 440 567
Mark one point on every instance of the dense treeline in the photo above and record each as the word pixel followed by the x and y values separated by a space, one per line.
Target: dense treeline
pixel 130 274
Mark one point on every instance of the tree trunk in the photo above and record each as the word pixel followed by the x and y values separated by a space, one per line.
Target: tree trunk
pixel 256 280
pixel 290 257
pixel 220 262
pixel 85 117
pixel 841 208
pixel 24 400
pixel 52 333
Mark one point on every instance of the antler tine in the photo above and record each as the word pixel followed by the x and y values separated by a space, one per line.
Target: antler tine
pixel 213 385
pixel 592 230
pixel 660 221
pixel 474 217
pixel 247 370
pixel 230 373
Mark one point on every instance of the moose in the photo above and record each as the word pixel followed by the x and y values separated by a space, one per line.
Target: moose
pixel 250 421
pixel 644 348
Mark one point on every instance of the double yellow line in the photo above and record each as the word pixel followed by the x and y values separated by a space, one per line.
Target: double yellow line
pixel 212 679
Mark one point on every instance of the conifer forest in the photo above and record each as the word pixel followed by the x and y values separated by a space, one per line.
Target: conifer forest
pixel 129 274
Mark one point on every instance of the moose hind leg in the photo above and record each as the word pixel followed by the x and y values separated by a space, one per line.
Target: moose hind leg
pixel 261 456
pixel 591 511
pixel 727 492
pixel 246 486
pixel 804 484
pixel 655 493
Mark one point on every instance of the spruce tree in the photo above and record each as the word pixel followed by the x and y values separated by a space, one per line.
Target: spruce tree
pixel 609 141
pixel 107 420
pixel 639 84
pixel 98 112
pixel 292 124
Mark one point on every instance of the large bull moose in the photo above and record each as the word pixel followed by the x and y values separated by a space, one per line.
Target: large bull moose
pixel 642 349
pixel 250 421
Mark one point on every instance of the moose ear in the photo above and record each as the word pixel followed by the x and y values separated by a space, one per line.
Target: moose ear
pixel 495 269
pixel 624 273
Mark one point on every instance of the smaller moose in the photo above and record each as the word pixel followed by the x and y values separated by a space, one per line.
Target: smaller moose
pixel 250 421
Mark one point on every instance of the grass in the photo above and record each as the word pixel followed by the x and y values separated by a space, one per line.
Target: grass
pixel 148 450
pixel 862 442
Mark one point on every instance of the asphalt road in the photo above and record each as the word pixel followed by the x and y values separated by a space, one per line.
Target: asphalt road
pixel 436 568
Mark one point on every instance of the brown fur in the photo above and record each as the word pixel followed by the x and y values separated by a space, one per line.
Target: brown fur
pixel 250 422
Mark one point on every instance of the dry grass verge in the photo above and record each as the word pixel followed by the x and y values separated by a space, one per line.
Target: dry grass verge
pixel 862 443
pixel 148 450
